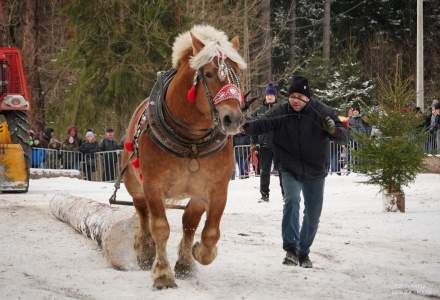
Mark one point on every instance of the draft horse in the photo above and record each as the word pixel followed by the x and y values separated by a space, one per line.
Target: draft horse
pixel 179 146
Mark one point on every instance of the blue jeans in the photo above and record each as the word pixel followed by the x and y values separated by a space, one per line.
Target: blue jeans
pixel 296 240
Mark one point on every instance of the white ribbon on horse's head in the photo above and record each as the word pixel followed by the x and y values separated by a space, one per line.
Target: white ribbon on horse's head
pixel 229 91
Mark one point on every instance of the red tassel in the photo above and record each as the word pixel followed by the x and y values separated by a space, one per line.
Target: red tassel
pixel 128 146
pixel 191 95
pixel 141 176
pixel 135 163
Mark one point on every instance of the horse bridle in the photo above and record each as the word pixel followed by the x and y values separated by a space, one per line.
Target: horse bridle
pixel 233 84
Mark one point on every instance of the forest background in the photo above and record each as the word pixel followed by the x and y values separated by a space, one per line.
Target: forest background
pixel 90 62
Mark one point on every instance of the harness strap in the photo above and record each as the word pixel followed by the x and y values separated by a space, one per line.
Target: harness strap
pixel 117 185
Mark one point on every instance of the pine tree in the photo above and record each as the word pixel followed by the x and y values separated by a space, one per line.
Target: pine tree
pixel 116 50
pixel 344 83
pixel 393 157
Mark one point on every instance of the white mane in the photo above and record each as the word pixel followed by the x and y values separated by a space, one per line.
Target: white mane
pixel 215 41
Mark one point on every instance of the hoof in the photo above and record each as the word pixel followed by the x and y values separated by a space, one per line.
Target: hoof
pixel 164 282
pixel 183 270
pixel 201 254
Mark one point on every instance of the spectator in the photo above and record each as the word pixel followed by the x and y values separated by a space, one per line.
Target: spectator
pixel 71 157
pixel 357 124
pixel 434 127
pixel 52 154
pixel 357 121
pixel 89 147
pixel 38 154
pixel 109 145
pixel 46 136
pixel 265 153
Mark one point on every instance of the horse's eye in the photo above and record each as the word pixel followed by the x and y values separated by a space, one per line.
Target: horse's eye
pixel 208 74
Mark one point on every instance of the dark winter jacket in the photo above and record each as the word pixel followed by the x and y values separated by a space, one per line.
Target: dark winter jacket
pixel 46 136
pixel 241 139
pixel 299 142
pixel 434 124
pixel 109 145
pixel 359 125
pixel 89 148
pixel 71 146
pixel 265 139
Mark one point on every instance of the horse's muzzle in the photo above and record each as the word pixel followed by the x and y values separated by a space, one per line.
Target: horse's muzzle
pixel 231 120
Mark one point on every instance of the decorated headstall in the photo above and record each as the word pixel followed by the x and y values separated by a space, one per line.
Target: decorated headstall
pixel 231 90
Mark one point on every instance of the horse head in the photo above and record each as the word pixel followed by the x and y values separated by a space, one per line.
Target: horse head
pixel 212 64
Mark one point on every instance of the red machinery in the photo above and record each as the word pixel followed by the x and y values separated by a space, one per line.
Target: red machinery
pixel 15 152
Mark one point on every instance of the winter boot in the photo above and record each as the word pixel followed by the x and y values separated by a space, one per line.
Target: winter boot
pixel 290 259
pixel 264 198
pixel 305 262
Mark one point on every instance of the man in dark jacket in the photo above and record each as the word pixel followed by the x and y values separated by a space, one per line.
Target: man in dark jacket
pixel 109 145
pixel 301 130
pixel 265 152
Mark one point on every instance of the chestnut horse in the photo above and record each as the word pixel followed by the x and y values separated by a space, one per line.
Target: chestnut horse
pixel 186 151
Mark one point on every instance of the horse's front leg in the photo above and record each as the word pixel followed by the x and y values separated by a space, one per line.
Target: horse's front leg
pixel 205 251
pixel 160 231
pixel 143 244
pixel 190 221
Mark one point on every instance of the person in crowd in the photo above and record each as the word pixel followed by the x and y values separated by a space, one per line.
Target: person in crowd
pixel 302 129
pixel 53 154
pixel 338 152
pixel 109 146
pixel 357 122
pixel 434 127
pixel 73 132
pixel 32 135
pixel 38 154
pixel 88 148
pixel 264 140
pixel 47 134
pixel 70 147
pixel 241 155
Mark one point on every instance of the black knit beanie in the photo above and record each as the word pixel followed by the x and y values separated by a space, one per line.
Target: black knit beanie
pixel 300 84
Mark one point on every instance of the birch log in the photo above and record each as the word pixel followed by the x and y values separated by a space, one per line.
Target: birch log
pixel 112 228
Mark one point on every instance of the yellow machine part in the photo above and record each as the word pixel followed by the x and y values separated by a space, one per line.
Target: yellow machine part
pixel 5 138
pixel 13 171
pixel 14 175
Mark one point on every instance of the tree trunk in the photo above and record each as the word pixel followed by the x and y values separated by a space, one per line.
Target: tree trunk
pixel 393 201
pixel 32 63
pixel 267 40
pixel 326 32
pixel 112 228
pixel 292 36
pixel 4 24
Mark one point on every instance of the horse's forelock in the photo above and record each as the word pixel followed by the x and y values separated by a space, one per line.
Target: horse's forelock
pixel 215 42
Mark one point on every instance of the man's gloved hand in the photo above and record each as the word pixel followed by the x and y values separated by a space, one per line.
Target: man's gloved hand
pixel 329 125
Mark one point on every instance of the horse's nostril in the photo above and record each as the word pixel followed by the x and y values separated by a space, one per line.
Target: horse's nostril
pixel 227 121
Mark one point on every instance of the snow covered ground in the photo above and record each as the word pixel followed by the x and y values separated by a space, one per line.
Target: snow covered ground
pixel 359 252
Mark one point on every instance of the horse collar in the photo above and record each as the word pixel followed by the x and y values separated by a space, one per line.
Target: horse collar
pixel 165 136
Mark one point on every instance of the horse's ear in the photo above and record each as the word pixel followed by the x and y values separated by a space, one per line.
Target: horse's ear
pixel 235 42
pixel 197 45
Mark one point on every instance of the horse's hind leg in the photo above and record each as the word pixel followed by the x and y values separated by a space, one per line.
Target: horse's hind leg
pixel 206 250
pixel 190 221
pixel 143 242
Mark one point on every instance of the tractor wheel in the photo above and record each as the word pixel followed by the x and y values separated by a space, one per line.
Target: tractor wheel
pixel 19 131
